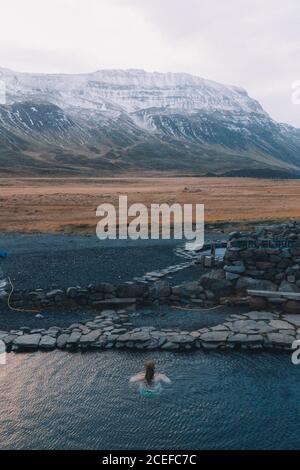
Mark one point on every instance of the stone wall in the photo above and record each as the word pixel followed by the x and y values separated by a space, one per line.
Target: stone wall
pixel 113 329
pixel 268 259
pixel 204 292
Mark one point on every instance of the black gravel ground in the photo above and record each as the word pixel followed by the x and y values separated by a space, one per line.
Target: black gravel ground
pixel 10 320
pixel 46 261
pixel 54 261
pixel 160 317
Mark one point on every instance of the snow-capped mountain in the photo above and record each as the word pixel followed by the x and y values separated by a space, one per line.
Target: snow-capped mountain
pixel 128 120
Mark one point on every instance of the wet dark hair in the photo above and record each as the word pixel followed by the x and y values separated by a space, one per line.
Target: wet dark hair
pixel 150 371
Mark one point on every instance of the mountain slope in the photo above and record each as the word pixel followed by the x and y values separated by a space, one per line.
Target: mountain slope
pixel 115 121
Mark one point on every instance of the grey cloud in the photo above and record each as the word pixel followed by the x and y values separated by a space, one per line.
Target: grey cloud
pixel 251 43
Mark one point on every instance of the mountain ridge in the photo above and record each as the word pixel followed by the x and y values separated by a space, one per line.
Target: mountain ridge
pixel 122 121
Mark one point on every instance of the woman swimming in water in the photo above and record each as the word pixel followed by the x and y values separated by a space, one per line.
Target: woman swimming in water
pixel 149 382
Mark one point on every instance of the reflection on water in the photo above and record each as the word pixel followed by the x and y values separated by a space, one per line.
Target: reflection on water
pixel 83 401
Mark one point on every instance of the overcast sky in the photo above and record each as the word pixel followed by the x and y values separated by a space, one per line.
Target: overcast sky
pixel 250 43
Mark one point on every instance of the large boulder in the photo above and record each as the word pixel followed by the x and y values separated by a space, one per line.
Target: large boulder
pixel 294 319
pixel 57 295
pixel 216 282
pixel 280 339
pixel 90 338
pixel 62 340
pixel 71 292
pixel 188 289
pixel 246 282
pixel 231 277
pixel 215 336
pixel 27 342
pixel 160 289
pixel 236 267
pixel 255 273
pixel 132 290
pixel 105 288
pixel 74 338
pixel 258 303
pixel 286 286
pixel 47 343
pixel 292 306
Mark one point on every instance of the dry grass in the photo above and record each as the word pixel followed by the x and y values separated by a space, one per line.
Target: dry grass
pixel 58 205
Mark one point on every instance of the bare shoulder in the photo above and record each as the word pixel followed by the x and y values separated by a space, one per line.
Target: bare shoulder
pixel 163 378
pixel 137 378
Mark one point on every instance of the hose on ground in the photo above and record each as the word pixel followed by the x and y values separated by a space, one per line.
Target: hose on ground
pixel 197 309
pixel 9 301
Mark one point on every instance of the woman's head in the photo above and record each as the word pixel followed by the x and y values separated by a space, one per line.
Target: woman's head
pixel 150 370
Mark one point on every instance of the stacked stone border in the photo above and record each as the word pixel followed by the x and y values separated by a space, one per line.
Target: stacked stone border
pixel 102 296
pixel 266 260
pixel 113 330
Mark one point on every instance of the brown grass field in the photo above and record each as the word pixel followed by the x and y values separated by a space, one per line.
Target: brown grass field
pixel 69 205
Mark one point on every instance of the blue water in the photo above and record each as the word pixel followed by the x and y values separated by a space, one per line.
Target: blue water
pixel 216 401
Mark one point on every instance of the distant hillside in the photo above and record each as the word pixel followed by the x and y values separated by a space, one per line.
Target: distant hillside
pixel 128 121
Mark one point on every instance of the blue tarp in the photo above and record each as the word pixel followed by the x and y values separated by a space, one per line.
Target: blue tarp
pixel 3 254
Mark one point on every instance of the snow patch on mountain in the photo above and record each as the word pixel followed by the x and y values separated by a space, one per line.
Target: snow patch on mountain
pixel 129 91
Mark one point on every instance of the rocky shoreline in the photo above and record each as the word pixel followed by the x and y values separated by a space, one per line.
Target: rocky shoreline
pixel 268 259
pixel 104 295
pixel 113 330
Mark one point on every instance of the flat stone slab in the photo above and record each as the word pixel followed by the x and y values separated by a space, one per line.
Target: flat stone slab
pixel 74 338
pixel 292 318
pixel 237 338
pixel 9 339
pixel 170 346
pixel 125 337
pixel 260 315
pixel 215 336
pixel 219 328
pixel 135 336
pixel 47 342
pixel 250 326
pixel 245 339
pixel 140 336
pixel 182 339
pixel 62 340
pixel 27 341
pixel 195 334
pixel 118 331
pixel 281 325
pixel 280 339
pixel 235 317
pixel 111 329
pixel 90 337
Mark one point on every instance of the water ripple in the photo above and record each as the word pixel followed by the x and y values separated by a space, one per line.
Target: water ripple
pixel 83 401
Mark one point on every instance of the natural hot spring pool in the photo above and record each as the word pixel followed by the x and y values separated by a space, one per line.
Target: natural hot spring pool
pixel 216 401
